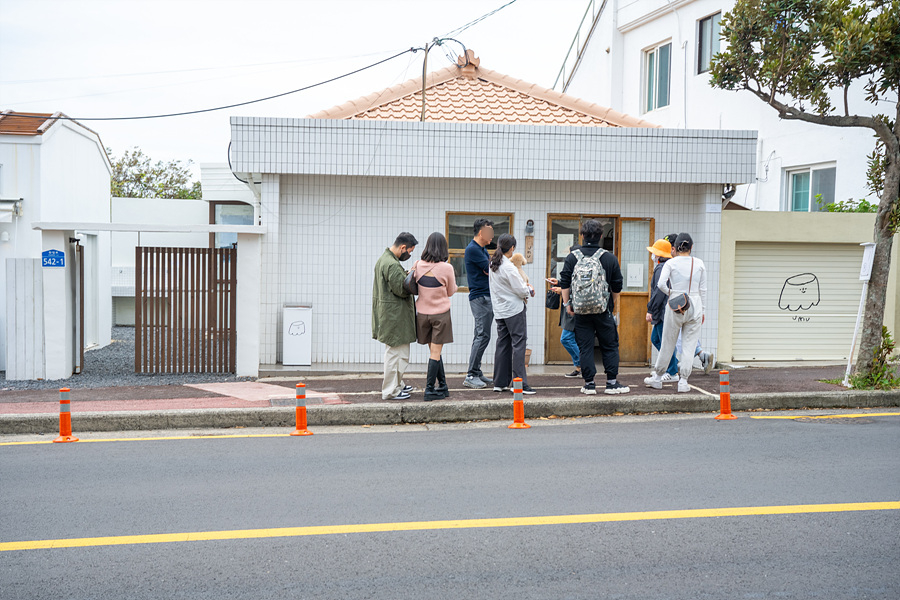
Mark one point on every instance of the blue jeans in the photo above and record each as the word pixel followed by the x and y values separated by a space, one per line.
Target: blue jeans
pixel 656 340
pixel 568 341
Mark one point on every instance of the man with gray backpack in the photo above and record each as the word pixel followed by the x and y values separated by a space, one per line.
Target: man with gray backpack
pixel 591 281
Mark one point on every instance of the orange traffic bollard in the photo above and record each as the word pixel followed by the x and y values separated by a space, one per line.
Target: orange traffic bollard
pixel 724 398
pixel 301 411
pixel 65 418
pixel 518 406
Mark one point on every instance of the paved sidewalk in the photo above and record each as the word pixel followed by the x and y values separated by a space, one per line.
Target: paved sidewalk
pixel 355 399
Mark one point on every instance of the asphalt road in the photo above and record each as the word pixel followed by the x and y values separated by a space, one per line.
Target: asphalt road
pixel 635 465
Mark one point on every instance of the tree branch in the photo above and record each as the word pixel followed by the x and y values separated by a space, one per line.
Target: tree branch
pixel 790 113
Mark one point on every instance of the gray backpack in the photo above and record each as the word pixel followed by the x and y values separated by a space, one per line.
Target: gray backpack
pixel 590 291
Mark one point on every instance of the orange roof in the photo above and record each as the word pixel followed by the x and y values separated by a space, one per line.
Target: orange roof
pixel 25 123
pixel 467 93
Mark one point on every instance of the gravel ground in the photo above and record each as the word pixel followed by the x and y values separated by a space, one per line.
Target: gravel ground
pixel 113 366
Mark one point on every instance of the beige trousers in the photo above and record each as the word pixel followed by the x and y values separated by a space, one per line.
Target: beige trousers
pixel 688 325
pixel 396 359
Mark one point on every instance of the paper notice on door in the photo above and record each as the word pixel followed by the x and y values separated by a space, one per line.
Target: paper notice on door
pixel 564 241
pixel 635 277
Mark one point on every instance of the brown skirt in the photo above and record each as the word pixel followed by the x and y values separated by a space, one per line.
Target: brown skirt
pixel 434 329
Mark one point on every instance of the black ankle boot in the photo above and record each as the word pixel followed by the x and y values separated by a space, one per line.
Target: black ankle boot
pixel 441 386
pixel 430 392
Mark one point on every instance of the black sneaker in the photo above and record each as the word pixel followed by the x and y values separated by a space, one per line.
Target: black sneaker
pixel 575 373
pixel 401 396
pixel 527 389
pixel 616 388
pixel 589 388
pixel 407 389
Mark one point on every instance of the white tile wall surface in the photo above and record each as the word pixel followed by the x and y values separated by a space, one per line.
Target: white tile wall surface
pixel 332 229
pixel 336 193
pixel 483 151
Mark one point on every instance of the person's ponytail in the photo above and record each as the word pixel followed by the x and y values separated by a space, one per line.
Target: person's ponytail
pixel 504 244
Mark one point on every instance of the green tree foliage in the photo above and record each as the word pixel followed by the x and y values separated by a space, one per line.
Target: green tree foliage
pixel 801 57
pixel 136 176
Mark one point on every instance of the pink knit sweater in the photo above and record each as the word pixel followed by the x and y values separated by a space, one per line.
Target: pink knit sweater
pixel 435 300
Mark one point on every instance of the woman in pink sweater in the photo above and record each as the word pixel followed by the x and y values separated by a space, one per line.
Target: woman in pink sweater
pixel 437 282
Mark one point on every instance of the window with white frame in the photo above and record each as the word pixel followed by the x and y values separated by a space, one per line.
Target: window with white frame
pixel 657 70
pixel 810 189
pixel 707 41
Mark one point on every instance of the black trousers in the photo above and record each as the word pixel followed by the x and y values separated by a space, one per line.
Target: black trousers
pixel 603 327
pixel 509 355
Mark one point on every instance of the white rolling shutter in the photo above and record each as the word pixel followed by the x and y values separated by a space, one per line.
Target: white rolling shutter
pixel 795 301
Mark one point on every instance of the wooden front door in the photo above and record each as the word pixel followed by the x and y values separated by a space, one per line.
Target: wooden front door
pixel 628 239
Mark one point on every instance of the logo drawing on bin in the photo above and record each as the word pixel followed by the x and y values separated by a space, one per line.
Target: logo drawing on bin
pixel 297 328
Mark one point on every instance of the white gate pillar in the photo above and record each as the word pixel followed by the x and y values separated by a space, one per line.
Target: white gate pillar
pixel 59 305
pixel 249 276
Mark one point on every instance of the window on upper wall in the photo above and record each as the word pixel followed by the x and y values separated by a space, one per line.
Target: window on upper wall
pixel 229 213
pixel 809 190
pixel 460 232
pixel 707 41
pixel 657 70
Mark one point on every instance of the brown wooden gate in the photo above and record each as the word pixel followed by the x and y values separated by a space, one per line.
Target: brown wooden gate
pixel 184 313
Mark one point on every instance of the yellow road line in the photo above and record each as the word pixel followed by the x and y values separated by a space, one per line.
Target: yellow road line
pixel 244 534
pixel 153 439
pixel 853 416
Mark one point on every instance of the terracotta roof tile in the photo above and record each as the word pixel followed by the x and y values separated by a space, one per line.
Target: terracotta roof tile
pixel 469 94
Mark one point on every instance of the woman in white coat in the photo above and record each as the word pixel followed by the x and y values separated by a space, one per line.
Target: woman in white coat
pixel 509 292
pixel 683 274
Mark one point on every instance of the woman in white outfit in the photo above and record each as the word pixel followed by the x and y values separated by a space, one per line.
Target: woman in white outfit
pixel 684 274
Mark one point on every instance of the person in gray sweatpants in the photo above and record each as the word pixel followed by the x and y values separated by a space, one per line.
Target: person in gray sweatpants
pixel 477 261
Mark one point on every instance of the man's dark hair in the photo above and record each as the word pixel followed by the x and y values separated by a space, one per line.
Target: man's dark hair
pixel 406 239
pixel 592 231
pixel 481 223
pixel 436 249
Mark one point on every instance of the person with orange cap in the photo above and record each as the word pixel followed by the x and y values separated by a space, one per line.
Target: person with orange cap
pixel 656 307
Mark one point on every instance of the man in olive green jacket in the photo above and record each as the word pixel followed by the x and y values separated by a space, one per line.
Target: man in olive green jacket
pixel 394 315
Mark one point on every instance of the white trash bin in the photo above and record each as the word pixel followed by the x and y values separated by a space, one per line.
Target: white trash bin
pixel 297 336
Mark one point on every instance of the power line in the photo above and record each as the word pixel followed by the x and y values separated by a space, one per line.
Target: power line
pixel 459 30
pixel 206 110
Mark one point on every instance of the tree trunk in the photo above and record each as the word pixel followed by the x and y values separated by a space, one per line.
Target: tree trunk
pixel 884 239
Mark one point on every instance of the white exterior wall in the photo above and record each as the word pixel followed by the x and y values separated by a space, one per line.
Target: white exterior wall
pixel 156 211
pixel 615 79
pixel 360 217
pixel 61 175
pixel 342 190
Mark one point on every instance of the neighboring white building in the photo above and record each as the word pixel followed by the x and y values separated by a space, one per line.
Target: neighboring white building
pixel 651 58
pixel 146 212
pixel 337 188
pixel 51 169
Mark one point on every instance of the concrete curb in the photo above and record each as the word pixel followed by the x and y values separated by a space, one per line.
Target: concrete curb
pixel 437 412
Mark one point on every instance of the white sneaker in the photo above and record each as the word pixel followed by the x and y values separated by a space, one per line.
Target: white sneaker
pixel 683 385
pixel 653 381
pixel 666 378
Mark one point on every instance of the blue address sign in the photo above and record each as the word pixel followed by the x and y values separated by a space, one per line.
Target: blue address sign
pixel 53 258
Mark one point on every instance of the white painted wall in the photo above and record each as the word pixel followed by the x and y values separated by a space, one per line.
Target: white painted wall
pixel 148 211
pixel 615 79
pixel 62 175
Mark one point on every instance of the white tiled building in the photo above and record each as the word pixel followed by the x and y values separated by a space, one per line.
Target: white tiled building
pixel 336 190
